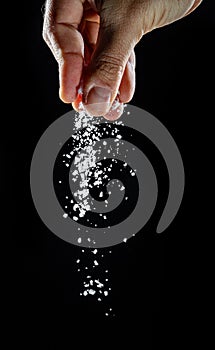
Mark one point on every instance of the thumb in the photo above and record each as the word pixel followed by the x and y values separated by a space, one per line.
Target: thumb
pixel 103 76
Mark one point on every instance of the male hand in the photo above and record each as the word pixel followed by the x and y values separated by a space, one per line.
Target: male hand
pixel 93 42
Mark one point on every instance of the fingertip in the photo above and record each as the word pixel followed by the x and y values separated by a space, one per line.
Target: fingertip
pixel 115 111
pixel 64 97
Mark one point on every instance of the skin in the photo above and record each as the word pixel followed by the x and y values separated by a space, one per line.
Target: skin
pixel 93 43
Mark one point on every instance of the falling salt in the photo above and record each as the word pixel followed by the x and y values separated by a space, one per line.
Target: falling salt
pixel 84 166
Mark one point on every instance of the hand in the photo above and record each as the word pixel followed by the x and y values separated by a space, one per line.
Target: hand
pixel 93 42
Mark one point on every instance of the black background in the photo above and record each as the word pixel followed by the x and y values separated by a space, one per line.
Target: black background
pixel 153 277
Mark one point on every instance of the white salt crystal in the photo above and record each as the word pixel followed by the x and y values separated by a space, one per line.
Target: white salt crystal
pixel 91 291
pixel 99 284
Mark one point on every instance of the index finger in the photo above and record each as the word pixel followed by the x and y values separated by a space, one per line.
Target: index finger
pixel 60 31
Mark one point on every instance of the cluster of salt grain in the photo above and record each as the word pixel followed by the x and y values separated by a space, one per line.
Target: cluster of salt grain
pixel 84 161
pixel 92 286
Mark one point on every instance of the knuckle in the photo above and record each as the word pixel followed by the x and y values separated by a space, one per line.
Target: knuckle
pixel 109 68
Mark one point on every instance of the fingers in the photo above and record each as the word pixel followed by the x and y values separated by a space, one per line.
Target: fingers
pixel 61 21
pixel 68 26
pixel 126 91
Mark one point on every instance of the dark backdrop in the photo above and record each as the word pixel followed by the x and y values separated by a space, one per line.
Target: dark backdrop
pixel 153 277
